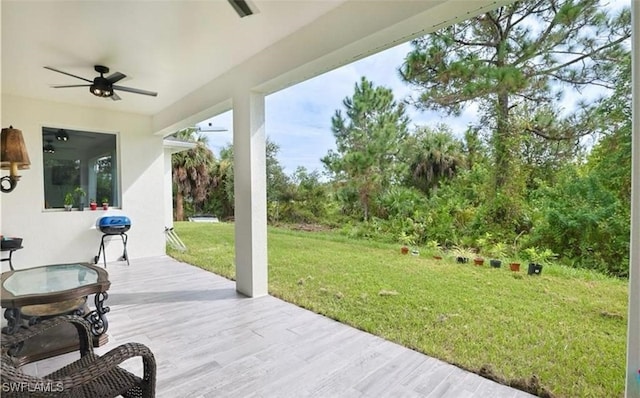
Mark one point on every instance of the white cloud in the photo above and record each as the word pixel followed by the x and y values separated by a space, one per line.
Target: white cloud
pixel 298 118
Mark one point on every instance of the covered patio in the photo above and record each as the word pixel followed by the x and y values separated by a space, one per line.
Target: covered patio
pixel 204 59
pixel 210 341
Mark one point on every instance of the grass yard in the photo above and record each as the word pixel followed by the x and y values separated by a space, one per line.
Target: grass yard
pixel 566 326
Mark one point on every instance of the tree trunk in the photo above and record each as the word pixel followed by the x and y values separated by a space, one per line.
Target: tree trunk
pixel 364 199
pixel 501 143
pixel 179 206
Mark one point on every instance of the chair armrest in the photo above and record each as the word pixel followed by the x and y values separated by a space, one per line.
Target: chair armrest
pixel 81 325
pixel 107 362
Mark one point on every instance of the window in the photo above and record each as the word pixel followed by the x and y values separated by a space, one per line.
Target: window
pixel 79 161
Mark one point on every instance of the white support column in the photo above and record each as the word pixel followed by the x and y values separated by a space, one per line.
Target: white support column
pixel 633 331
pixel 250 189
pixel 168 189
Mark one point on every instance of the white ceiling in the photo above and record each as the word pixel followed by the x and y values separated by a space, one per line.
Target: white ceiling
pixel 172 47
pixel 194 53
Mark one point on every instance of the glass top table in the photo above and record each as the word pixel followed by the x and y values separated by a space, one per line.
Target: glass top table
pixel 51 284
pixel 32 294
pixel 49 279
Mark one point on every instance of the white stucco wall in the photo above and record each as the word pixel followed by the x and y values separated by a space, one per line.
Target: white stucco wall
pixel 56 236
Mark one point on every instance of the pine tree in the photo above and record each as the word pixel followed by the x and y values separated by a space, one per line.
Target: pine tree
pixel 369 140
pixel 516 59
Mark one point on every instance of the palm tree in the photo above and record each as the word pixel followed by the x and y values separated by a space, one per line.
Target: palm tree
pixel 221 199
pixel 437 156
pixel 192 171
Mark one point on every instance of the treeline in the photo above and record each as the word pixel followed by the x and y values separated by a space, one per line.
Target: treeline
pixel 530 178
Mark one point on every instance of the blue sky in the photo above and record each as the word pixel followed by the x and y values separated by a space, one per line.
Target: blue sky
pixel 298 118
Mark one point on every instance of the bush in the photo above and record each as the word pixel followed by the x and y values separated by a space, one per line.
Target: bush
pixel 586 223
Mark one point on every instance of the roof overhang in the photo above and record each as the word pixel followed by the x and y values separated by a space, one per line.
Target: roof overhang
pixel 196 54
pixel 174 146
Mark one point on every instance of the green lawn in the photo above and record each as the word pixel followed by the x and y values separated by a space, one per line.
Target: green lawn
pixel 566 326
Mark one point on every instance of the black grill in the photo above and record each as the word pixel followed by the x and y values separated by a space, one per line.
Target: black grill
pixel 113 225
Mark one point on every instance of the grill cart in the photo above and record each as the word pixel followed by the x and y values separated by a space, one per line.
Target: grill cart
pixel 113 226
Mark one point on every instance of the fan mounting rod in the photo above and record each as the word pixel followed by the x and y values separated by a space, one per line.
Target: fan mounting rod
pixel 101 69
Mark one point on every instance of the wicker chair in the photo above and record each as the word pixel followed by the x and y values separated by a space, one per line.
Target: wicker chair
pixel 91 376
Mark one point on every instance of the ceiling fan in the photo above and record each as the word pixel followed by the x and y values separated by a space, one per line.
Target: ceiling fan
pixel 49 148
pixel 210 128
pixel 102 86
pixel 58 134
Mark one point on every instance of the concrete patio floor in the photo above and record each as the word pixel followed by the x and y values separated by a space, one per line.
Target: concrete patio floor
pixel 210 341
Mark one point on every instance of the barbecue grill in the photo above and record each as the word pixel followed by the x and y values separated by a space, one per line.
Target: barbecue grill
pixel 113 226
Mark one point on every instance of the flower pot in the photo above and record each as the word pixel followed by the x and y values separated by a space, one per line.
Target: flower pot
pixel 515 267
pixel 404 250
pixel 68 207
pixel 93 205
pixel 105 206
pixel 495 263
pixel 81 206
pixel 478 261
pixel 462 260
pixel 534 269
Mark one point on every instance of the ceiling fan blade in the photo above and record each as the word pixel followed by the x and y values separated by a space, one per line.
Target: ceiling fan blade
pixel 211 129
pixel 242 7
pixel 116 77
pixel 135 91
pixel 115 97
pixel 68 74
pixel 71 85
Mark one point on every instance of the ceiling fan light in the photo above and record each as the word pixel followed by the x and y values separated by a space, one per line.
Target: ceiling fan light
pixel 62 135
pixel 49 149
pixel 100 91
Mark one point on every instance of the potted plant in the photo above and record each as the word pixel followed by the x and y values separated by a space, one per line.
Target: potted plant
pixel 537 259
pixel 105 204
pixel 497 252
pixel 482 244
pixel 68 201
pixel 462 254
pixel 79 194
pixel 406 241
pixel 434 249
pixel 93 205
pixel 514 264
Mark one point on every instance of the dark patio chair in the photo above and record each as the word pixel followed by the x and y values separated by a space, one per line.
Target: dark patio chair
pixel 91 376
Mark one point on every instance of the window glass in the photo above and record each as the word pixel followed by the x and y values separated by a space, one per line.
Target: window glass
pixel 79 166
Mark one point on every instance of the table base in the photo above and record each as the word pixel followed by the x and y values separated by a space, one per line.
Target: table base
pixel 57 341
pixel 62 339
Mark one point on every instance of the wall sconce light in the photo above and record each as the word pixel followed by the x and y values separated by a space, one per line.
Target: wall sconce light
pixel 13 157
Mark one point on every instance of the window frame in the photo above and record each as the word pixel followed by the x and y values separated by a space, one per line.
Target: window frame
pixel 88 178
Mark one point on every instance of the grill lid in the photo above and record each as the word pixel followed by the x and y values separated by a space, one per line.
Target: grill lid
pixel 114 221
